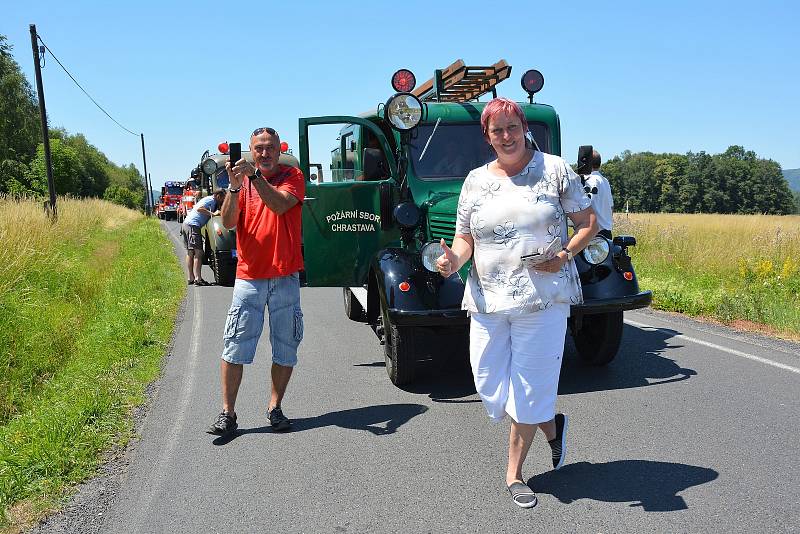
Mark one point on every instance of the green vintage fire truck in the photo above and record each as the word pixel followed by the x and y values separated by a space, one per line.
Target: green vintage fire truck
pixel 372 224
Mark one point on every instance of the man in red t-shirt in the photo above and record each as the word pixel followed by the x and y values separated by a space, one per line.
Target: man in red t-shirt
pixel 265 207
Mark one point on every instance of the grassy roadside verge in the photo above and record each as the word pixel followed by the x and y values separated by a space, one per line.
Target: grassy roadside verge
pixel 84 328
pixel 741 270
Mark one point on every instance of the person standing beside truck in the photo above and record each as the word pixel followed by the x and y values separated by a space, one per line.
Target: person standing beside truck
pixel 265 208
pixel 192 238
pixel 515 207
pixel 600 192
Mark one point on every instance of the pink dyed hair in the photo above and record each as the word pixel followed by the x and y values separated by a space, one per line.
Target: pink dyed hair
pixel 500 105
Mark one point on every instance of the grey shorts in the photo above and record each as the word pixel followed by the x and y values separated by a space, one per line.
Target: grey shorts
pixel 192 237
pixel 245 322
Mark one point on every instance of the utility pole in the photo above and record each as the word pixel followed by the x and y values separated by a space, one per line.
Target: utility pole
pixel 147 201
pixel 51 207
pixel 150 191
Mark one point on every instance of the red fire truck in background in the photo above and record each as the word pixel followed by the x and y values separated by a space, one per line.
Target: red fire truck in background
pixel 171 194
pixel 191 192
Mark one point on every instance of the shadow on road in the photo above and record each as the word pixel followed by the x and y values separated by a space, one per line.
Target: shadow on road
pixel 640 362
pixel 652 485
pixel 447 384
pixel 369 418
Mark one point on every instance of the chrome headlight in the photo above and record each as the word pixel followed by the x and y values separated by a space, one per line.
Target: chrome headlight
pixel 596 251
pixel 403 111
pixel 430 253
pixel 209 166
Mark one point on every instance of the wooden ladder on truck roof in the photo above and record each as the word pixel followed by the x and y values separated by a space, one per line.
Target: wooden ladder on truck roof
pixel 461 83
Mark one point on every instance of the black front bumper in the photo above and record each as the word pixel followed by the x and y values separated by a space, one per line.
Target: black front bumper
pixel 454 317
pixel 449 317
pixel 615 304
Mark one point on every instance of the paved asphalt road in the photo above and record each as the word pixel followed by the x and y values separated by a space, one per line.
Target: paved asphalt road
pixel 693 428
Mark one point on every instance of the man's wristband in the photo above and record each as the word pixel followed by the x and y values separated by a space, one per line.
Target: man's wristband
pixel 234 190
pixel 569 253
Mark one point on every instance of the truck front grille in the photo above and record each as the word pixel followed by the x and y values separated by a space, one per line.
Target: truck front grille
pixel 442 226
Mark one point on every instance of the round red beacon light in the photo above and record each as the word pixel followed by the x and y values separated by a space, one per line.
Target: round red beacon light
pixel 404 286
pixel 532 81
pixel 628 275
pixel 223 148
pixel 284 146
pixel 403 81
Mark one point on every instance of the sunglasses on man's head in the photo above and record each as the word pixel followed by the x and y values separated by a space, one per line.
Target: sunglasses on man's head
pixel 259 131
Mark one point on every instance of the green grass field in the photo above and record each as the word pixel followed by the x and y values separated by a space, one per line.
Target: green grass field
pixel 87 308
pixel 732 268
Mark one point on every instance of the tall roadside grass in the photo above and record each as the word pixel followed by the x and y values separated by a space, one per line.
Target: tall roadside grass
pixel 87 307
pixel 732 268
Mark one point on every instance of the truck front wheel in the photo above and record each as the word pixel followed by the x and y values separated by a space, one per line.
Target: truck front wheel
pixel 224 268
pixel 599 338
pixel 398 346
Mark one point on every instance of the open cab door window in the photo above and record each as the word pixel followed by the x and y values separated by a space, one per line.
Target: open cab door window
pixel 348 166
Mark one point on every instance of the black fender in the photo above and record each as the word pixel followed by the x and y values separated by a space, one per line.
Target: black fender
pixel 605 288
pixel 430 299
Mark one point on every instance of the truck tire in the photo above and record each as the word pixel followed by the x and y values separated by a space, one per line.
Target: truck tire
pixel 353 308
pixel 398 347
pixel 599 338
pixel 224 268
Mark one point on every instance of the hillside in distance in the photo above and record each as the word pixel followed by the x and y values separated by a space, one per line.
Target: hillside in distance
pixel 793 177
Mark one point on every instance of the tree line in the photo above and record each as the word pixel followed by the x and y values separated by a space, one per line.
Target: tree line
pixel 736 181
pixel 79 168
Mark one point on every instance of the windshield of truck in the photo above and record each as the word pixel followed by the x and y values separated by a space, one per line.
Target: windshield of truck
pixel 174 190
pixel 456 149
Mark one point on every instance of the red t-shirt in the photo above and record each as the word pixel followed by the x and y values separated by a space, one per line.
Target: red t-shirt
pixel 268 244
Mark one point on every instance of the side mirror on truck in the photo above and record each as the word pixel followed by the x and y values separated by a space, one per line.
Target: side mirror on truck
pixel 585 159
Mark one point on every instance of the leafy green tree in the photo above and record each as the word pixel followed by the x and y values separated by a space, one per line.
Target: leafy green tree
pixel 641 191
pixel 94 179
pixel 17 179
pixel 796 201
pixel 19 111
pixel 67 169
pixel 124 196
pixel 772 195
pixel 670 174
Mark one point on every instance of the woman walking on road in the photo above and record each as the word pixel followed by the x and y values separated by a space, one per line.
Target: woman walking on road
pixel 512 222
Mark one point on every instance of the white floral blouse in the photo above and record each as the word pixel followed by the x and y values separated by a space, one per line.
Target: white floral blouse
pixel 509 217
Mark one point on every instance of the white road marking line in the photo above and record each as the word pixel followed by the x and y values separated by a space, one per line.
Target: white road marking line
pixel 717 347
pixel 723 334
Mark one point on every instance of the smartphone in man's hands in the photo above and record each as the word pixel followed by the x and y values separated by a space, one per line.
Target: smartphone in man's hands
pixel 235 151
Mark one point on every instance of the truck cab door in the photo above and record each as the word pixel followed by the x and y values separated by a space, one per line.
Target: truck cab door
pixel 346 211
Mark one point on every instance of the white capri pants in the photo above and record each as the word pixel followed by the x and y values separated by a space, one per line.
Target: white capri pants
pixel 516 362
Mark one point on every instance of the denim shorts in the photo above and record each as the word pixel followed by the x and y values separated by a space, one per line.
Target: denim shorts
pixel 245 322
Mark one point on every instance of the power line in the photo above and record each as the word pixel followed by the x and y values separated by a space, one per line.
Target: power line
pixel 82 89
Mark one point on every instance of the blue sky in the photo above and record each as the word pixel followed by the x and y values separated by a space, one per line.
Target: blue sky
pixel 663 77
